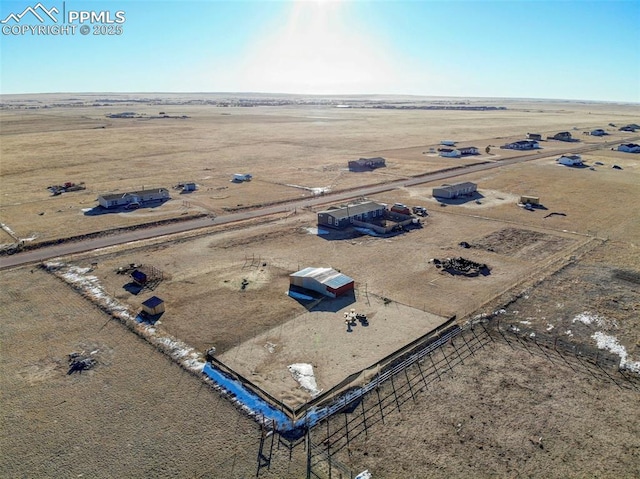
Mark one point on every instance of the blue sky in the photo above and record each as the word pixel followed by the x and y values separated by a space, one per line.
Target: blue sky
pixel 537 49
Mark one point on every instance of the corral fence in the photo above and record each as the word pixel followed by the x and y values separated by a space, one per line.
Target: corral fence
pixel 598 363
pixel 405 381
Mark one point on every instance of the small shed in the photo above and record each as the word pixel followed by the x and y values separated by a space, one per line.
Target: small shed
pixel 189 187
pixel 448 143
pixel 153 306
pixel 139 277
pixel 534 136
pixel 530 200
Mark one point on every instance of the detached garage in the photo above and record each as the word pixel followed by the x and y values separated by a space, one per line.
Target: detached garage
pixel 326 281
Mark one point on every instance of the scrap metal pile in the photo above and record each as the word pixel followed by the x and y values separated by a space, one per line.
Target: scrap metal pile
pixel 462 266
pixel 80 362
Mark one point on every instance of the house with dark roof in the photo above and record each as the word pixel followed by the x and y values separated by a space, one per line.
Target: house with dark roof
pixel 629 148
pixel 562 136
pixel 521 145
pixel 366 164
pixel 468 150
pixel 343 216
pixel 153 306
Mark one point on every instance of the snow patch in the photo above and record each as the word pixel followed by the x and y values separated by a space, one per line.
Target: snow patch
pixel 589 318
pixel 568 332
pixel 316 231
pixel 610 343
pixel 525 322
pixel 549 327
pixel 90 286
pixel 303 373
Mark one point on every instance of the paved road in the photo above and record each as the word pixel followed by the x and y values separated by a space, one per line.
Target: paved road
pixel 63 249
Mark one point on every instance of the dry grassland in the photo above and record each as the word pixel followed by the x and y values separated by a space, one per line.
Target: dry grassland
pixel 139 414
pixel 306 146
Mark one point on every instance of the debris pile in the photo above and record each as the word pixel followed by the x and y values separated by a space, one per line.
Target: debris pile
pixel 462 266
pixel 80 362
pixel 68 186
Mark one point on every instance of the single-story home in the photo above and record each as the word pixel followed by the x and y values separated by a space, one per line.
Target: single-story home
pixel 631 127
pixel 326 281
pixel 598 132
pixel 562 136
pixel 455 190
pixel 363 164
pixel 521 145
pixel 468 150
pixel 629 148
pixel 115 200
pixel 570 160
pixel 342 216
pixel 449 152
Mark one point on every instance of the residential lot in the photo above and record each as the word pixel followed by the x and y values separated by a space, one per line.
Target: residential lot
pixel 225 287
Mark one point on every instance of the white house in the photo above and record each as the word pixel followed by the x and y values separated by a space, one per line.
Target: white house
pixel 629 148
pixel 449 152
pixel 570 160
pixel 115 200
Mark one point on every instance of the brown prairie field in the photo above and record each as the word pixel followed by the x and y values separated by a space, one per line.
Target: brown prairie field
pixel 570 268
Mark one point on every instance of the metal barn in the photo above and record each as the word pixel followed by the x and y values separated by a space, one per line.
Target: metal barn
pixel 326 281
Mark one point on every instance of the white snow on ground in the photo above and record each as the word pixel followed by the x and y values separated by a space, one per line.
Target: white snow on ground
pixel 316 231
pixel 549 327
pixel 568 332
pixel 9 231
pixel 525 322
pixel 303 373
pixel 589 318
pixel 610 343
pixel 364 475
pixel 90 287
pixel 315 191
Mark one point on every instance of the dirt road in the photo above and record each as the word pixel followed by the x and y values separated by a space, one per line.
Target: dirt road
pixel 181 227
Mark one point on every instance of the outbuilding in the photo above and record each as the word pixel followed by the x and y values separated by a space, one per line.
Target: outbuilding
pixel 562 136
pixel 326 281
pixel 534 136
pixel 598 132
pixel 240 177
pixel 455 190
pixel 153 306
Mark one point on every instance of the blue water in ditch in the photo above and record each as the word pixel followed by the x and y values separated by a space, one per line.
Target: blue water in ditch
pixel 258 406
